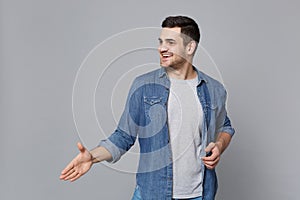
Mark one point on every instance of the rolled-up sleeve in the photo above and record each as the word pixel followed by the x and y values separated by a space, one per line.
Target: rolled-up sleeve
pixel 227 128
pixel 223 123
pixel 118 144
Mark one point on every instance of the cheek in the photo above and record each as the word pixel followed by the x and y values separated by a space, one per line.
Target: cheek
pixel 177 50
pixel 179 55
pixel 183 53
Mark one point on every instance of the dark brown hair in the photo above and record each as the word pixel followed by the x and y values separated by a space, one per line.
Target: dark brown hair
pixel 188 27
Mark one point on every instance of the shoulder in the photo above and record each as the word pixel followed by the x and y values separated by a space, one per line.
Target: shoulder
pixel 215 87
pixel 146 78
pixel 211 82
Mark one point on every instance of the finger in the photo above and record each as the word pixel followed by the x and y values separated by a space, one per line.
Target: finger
pixel 76 177
pixel 63 176
pixel 72 175
pixel 212 157
pixel 211 162
pixel 80 147
pixel 210 147
pixel 68 168
pixel 211 165
pixel 207 158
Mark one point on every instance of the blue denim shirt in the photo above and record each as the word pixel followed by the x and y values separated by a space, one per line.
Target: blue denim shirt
pixel 145 118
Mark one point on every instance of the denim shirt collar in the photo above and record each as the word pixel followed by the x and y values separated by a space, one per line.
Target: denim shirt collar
pixel 163 73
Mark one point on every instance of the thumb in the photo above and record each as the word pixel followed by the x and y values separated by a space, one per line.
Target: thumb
pixel 80 147
pixel 210 147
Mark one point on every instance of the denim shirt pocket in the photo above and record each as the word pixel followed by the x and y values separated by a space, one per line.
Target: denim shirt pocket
pixel 149 103
pixel 152 100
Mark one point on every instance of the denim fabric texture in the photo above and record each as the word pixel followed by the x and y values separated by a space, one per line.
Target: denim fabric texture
pixel 137 195
pixel 145 118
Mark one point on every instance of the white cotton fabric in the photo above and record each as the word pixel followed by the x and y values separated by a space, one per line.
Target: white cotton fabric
pixel 185 118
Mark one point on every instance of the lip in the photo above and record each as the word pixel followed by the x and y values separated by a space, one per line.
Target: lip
pixel 165 56
pixel 165 59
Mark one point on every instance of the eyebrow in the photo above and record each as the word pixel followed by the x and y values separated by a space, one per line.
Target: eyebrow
pixel 168 40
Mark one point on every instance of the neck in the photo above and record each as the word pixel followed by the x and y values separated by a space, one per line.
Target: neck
pixel 184 71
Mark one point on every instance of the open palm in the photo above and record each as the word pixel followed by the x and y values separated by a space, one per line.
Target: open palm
pixel 78 166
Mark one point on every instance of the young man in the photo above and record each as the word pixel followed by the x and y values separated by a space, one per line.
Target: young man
pixel 178 114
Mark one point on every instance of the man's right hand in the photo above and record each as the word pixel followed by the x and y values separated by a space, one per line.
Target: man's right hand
pixel 78 166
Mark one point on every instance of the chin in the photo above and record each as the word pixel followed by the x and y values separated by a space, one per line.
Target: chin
pixel 164 64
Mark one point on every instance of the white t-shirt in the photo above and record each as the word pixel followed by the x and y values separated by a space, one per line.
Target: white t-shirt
pixel 185 118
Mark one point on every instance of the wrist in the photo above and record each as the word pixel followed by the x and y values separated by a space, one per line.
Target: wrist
pixel 219 144
pixel 94 158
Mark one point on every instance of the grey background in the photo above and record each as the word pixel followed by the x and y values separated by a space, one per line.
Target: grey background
pixel 42 43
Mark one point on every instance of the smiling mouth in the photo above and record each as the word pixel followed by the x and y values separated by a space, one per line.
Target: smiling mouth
pixel 166 55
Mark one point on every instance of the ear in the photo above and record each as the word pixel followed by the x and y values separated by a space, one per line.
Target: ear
pixel 191 47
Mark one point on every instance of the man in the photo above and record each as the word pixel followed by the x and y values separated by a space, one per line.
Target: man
pixel 178 114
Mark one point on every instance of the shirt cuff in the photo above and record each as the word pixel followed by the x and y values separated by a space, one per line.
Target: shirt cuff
pixel 112 148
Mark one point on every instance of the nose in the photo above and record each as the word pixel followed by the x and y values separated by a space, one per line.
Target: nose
pixel 162 48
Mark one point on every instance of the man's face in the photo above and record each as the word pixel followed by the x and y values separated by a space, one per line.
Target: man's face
pixel 171 48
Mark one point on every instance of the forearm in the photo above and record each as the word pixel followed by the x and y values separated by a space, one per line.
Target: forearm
pixel 223 141
pixel 100 154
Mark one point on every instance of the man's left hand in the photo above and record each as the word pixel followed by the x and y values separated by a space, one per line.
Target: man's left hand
pixel 212 160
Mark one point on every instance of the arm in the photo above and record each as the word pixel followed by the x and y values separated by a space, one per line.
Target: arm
pixel 124 137
pixel 83 162
pixel 110 149
pixel 100 154
pixel 223 141
pixel 225 133
pixel 217 148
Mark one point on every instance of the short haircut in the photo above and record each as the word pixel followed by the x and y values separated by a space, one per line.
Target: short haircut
pixel 189 28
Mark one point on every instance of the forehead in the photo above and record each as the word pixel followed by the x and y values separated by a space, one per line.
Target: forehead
pixel 170 33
